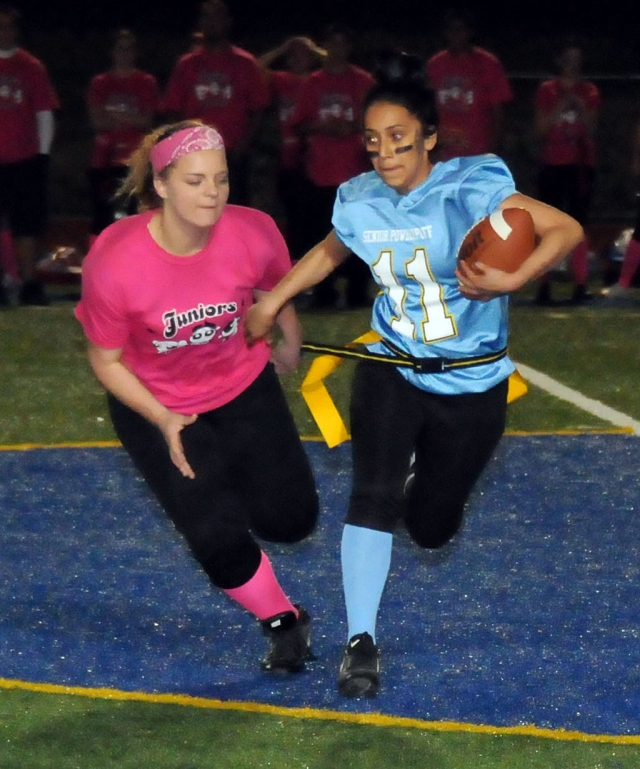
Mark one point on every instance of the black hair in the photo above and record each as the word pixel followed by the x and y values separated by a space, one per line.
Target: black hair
pixel 457 15
pixel 338 28
pixel 401 80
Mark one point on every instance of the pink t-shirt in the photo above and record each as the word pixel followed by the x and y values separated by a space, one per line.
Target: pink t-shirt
pixel 287 87
pixel 221 88
pixel 330 160
pixel 25 89
pixel 132 94
pixel 568 142
pixel 467 86
pixel 178 320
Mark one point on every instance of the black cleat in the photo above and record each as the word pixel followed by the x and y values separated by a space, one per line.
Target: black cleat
pixel 359 674
pixel 290 639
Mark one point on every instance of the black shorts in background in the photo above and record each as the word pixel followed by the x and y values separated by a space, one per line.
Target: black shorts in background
pixel 23 196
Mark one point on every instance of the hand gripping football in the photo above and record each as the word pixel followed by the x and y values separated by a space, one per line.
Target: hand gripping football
pixel 504 239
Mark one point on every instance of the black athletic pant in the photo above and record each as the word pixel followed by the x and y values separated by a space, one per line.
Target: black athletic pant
pixel 453 436
pixel 252 475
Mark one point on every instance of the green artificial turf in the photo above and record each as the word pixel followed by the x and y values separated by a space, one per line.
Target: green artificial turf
pixel 50 396
pixel 48 731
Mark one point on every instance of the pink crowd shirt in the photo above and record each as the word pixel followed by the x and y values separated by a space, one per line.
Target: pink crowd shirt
pixel 568 141
pixel 287 87
pixel 130 94
pixel 178 320
pixel 467 87
pixel 25 89
pixel 331 160
pixel 221 88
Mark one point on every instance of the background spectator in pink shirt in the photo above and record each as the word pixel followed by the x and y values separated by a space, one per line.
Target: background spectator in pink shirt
pixel 329 118
pixel 122 105
pixel 566 116
pixel 222 85
pixel 287 68
pixel 27 104
pixel 471 88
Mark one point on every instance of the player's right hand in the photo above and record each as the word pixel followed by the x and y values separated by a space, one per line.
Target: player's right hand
pixel 258 323
pixel 171 426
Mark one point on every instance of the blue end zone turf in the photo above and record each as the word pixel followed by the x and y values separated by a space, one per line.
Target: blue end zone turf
pixel 531 616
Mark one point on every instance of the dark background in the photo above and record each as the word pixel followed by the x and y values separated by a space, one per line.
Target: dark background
pixel 509 26
pixel 72 37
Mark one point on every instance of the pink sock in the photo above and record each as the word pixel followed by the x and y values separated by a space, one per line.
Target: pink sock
pixel 630 263
pixel 580 264
pixel 262 594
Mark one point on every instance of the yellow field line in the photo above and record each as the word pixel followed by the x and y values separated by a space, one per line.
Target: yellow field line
pixel 317 439
pixel 370 719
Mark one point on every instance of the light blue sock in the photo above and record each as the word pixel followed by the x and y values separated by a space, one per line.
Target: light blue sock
pixel 366 558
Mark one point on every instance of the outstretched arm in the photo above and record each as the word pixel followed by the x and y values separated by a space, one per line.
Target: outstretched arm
pixel 115 377
pixel 310 270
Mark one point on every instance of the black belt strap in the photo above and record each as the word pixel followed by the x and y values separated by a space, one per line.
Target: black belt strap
pixel 401 358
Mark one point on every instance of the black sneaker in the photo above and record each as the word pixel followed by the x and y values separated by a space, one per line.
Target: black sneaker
pixel 290 639
pixel 32 293
pixel 359 674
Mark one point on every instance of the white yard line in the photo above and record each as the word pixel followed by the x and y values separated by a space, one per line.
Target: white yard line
pixel 576 398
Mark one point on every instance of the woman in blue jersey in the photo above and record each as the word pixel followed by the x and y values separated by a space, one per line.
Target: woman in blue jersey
pixel 406 220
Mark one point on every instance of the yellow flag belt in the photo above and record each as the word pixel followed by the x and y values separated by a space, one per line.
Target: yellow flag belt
pixel 324 410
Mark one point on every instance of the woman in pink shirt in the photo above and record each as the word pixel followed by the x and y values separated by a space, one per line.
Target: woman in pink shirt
pixel 201 414
pixel 287 68
pixel 122 104
pixel 566 119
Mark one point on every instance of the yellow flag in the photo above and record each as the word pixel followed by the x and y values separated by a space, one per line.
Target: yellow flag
pixel 323 409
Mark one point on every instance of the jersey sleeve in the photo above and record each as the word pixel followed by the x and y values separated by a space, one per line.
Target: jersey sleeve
pixel 341 220
pixel 279 262
pixel 543 99
pixel 94 95
pixel 100 313
pixel 484 184
pixel 305 109
pixel 266 247
pixel 43 94
pixel 149 93
pixel 499 89
pixel 258 91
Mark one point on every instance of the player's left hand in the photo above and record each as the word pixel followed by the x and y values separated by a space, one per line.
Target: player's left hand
pixel 285 356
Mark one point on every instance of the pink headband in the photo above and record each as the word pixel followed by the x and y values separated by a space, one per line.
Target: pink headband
pixel 182 143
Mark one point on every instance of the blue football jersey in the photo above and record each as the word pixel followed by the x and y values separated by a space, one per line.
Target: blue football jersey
pixel 411 243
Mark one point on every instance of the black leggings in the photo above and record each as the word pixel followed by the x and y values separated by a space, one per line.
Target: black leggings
pixel 453 437
pixel 252 474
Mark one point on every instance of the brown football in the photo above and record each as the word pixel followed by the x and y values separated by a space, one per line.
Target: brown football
pixel 504 239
